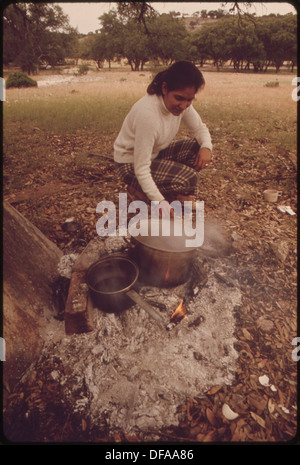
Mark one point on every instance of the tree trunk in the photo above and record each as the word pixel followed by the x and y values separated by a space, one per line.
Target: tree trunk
pixel 266 66
pixel 29 268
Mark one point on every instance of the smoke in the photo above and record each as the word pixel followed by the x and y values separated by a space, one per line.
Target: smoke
pixel 215 240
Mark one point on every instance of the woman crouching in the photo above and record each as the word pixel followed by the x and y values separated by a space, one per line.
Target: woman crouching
pixel 147 157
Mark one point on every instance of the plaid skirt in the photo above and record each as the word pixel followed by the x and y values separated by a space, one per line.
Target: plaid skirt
pixel 172 170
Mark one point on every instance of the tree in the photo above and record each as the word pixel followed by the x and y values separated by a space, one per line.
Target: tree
pixel 111 38
pixel 136 46
pixel 257 41
pixel 169 39
pixel 124 34
pixel 278 35
pixel 75 49
pixel 98 50
pixel 290 42
pixel 85 45
pixel 34 33
pixel 211 43
pixel 216 14
pixel 244 47
pixel 139 12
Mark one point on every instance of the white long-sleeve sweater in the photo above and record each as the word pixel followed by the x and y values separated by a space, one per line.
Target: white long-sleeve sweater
pixel 148 128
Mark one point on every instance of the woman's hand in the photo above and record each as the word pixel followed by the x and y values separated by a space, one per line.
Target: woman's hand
pixel 203 159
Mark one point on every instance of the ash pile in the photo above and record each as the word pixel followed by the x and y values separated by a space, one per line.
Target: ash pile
pixel 132 375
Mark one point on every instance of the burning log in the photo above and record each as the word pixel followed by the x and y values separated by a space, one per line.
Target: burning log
pixel 178 315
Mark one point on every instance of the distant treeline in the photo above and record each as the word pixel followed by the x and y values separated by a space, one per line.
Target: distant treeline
pixel 258 42
pixel 37 34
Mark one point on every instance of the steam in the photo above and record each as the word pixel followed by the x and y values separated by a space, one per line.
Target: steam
pixel 214 236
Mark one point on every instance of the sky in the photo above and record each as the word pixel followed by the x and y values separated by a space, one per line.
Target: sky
pixel 84 16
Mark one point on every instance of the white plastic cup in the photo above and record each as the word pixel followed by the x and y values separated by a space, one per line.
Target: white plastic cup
pixel 271 195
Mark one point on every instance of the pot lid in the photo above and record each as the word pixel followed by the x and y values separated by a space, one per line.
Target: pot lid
pixel 163 234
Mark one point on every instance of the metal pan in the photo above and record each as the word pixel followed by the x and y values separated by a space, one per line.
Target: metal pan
pixel 163 260
pixel 112 282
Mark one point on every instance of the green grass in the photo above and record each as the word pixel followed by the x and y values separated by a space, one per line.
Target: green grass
pixel 71 113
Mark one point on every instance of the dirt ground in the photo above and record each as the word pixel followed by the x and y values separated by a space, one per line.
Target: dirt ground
pixel 264 244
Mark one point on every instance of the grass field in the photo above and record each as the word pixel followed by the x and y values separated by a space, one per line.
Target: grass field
pixel 57 163
pixel 237 103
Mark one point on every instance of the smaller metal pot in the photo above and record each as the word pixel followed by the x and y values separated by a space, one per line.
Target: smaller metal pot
pixel 112 281
pixel 109 279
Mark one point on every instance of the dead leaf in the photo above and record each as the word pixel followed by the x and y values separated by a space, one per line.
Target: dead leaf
pixel 214 390
pixel 211 417
pixel 265 324
pixel 117 437
pixel 271 406
pixel 83 424
pixel 281 397
pixel 262 363
pixel 238 430
pixel 188 406
pixel 258 403
pixel 131 438
pixel 210 436
pixel 247 335
pixel 258 419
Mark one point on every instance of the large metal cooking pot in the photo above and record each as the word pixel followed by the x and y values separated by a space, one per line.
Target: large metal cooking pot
pixel 163 260
pixel 112 282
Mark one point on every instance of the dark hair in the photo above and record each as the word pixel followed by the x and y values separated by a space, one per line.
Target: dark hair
pixel 180 75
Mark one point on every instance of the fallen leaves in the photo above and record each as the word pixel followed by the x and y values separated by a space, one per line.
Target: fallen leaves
pixel 224 415
pixel 265 394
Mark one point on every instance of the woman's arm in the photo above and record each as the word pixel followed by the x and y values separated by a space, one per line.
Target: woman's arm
pixel 145 134
pixel 192 120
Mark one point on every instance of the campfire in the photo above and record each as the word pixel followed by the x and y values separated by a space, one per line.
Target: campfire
pixel 124 371
pixel 145 369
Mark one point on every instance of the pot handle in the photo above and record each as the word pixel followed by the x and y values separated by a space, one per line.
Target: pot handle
pixel 143 304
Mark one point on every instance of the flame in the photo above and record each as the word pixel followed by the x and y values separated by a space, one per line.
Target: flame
pixel 179 313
